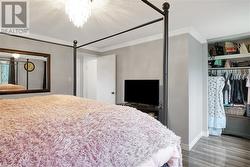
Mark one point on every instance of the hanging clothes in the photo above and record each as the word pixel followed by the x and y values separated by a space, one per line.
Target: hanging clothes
pixel 216 112
pixel 238 90
pixel 227 90
pixel 248 86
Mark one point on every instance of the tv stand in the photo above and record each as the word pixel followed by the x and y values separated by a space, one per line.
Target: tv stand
pixel 149 109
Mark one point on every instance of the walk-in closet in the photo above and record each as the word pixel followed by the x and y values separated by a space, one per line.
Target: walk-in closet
pixel 229 87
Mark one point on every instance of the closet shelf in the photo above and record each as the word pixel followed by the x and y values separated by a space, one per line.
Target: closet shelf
pixel 237 116
pixel 234 56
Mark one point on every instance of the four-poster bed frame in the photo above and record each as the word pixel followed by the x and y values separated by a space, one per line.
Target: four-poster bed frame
pixel 165 13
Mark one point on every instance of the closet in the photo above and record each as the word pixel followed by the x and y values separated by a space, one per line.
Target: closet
pixel 229 87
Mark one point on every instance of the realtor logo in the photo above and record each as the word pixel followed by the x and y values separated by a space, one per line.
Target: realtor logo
pixel 14 16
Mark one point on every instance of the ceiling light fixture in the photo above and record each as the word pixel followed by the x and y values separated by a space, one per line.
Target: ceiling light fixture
pixel 78 11
pixel 16 56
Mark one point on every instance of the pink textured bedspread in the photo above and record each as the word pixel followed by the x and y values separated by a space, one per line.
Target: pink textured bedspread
pixel 64 131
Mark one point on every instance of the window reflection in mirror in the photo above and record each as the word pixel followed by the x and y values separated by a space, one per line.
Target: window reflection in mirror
pixel 24 72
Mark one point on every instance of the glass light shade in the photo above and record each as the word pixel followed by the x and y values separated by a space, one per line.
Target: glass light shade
pixel 78 11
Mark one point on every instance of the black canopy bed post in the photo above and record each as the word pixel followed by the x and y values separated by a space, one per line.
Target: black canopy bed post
pixel 165 13
pixel 17 82
pixel 45 75
pixel 27 74
pixel 12 73
pixel 75 66
pixel 166 7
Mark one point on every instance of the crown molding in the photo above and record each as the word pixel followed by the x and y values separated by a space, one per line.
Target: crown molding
pixel 197 36
pixel 133 42
pixel 188 30
pixel 230 37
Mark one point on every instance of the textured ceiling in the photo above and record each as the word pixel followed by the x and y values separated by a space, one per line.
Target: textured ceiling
pixel 211 18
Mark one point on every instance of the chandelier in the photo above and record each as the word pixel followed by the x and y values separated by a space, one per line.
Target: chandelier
pixel 78 11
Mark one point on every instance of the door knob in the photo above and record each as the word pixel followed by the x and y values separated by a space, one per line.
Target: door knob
pixel 112 93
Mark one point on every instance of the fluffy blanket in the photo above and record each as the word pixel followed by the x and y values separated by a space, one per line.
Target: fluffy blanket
pixel 68 131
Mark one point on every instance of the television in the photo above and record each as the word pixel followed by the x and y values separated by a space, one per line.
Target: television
pixel 142 91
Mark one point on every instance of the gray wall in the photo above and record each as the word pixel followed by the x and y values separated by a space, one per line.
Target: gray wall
pixel 178 87
pixel 61 62
pixel 195 93
pixel 137 63
pixel 144 61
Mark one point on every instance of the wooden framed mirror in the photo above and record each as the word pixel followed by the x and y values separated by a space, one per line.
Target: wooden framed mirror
pixel 24 72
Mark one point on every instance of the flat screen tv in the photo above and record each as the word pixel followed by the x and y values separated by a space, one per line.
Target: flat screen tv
pixel 142 91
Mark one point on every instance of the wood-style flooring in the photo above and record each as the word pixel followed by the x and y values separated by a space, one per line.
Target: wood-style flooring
pixel 225 151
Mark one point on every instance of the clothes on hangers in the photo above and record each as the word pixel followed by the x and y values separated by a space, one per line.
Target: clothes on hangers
pixel 239 90
pixel 227 90
pixel 216 112
pixel 248 86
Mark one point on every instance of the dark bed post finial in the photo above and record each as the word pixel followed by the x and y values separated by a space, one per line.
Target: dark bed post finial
pixel 166 7
pixel 75 65
pixel 164 113
pixel 75 43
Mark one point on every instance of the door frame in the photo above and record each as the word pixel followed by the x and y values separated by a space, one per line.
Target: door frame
pixel 83 55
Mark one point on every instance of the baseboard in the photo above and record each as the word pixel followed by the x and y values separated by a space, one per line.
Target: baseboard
pixel 205 133
pixel 196 139
pixel 188 147
pixel 185 147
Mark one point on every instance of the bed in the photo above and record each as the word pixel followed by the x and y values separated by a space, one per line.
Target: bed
pixel 11 87
pixel 59 130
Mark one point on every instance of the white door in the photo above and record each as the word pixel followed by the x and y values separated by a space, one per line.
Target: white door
pixel 106 79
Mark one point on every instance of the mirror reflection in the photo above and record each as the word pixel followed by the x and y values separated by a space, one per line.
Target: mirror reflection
pixel 23 72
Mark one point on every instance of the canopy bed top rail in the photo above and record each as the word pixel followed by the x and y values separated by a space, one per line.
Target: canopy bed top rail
pixel 35 39
pixel 122 32
pixel 153 6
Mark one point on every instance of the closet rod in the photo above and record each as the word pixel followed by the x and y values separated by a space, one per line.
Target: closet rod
pixel 122 32
pixel 232 68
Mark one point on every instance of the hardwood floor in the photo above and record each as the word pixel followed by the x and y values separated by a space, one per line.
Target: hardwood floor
pixel 225 151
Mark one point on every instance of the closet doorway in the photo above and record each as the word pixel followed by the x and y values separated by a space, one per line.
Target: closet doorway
pixel 87 76
pixel 229 87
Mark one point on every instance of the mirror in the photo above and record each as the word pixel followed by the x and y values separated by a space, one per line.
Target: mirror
pixel 24 72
